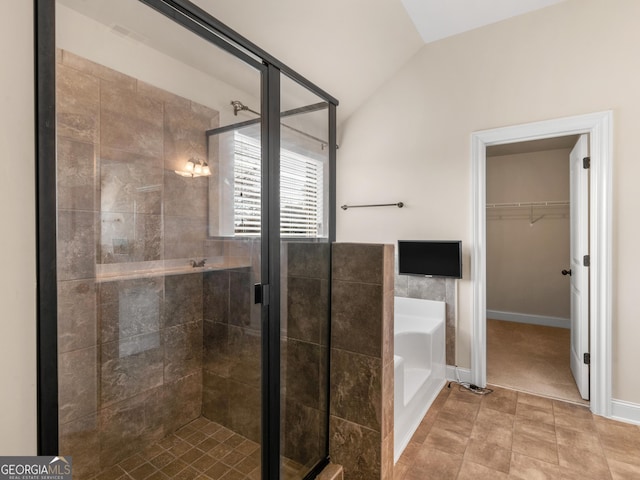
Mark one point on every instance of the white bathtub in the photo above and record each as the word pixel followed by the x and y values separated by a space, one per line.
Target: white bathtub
pixel 419 364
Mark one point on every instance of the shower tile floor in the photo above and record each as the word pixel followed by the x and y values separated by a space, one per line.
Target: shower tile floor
pixel 202 450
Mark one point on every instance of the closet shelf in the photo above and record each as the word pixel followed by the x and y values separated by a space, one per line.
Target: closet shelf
pixel 529 204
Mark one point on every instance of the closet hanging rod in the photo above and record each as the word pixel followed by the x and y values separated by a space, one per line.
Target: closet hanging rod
pixel 562 203
pixel 399 205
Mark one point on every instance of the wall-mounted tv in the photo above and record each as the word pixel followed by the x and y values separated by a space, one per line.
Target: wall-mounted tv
pixel 430 258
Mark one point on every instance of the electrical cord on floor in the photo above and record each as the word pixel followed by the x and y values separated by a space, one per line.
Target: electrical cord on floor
pixel 469 386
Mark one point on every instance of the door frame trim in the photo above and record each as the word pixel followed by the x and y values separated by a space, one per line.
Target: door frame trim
pixel 599 126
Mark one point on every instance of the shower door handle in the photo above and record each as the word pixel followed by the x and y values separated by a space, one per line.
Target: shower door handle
pixel 566 272
pixel 261 294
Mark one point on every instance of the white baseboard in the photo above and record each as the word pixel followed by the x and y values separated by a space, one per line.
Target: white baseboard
pixel 464 374
pixel 625 411
pixel 530 319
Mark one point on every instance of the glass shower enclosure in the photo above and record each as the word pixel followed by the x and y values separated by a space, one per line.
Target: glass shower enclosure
pixel 191 230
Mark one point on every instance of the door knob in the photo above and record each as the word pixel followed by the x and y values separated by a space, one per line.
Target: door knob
pixel 566 272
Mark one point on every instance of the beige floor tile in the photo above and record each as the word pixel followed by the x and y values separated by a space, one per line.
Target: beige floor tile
pixel 624 471
pixel 584 440
pixel 493 434
pixel 538 449
pixel 488 454
pixel 527 468
pixel 574 458
pixel 446 440
pixel 474 471
pixel 532 412
pixel 533 430
pixel 434 463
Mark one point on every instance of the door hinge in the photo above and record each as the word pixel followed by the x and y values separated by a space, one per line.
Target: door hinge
pixel 261 294
pixel 586 162
pixel 587 358
pixel 586 260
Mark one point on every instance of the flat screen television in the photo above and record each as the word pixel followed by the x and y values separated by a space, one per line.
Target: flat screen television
pixel 430 258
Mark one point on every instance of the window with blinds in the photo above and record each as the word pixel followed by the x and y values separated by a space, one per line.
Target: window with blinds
pixel 301 191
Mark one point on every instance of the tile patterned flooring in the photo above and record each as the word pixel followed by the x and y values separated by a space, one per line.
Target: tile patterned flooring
pixel 531 358
pixel 201 450
pixel 514 435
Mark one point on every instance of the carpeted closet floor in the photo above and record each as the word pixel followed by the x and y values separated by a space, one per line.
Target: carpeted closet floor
pixel 530 358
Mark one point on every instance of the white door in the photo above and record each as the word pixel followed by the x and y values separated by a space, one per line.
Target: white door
pixel 579 272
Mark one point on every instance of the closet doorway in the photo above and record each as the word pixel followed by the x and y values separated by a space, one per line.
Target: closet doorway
pixel 529 219
pixel 599 127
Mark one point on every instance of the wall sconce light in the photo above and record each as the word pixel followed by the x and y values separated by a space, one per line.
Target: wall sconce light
pixel 195 168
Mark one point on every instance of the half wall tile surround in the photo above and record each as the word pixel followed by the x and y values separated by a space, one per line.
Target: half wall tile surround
pixel 440 289
pixel 361 422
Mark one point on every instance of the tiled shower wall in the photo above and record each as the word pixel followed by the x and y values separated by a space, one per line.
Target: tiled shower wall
pixel 130 350
pixel 304 350
pixel 441 289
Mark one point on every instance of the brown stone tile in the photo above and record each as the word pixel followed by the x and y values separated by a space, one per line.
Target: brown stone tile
pixel 446 440
pixel 219 451
pixel 434 463
pixel 130 367
pixel 204 463
pixel 488 454
pixel 621 470
pixel 538 449
pixel 309 260
pixel 307 306
pixel 410 452
pixel 208 444
pixel 583 440
pixel 454 421
pixel 76 247
pixel 502 400
pixel 78 384
pixel 129 121
pixel 575 458
pixel 356 386
pixel 217 470
pixel 77 315
pixel 96 70
pixel 196 438
pixel 474 471
pixel 359 263
pixel 303 372
pixel 460 395
pixel 532 412
pixel 112 473
pixel 357 307
pixel 76 181
pixel 174 468
pixel 157 475
pixel 247 447
pixel 162 460
pixel 233 475
pixel 81 439
pixel 487 416
pixel 131 463
pixel 188 473
pixel 247 465
pixel 535 400
pixel 77 105
pixel 356 448
pixel 148 90
pixel 527 468
pixel 210 428
pixel 128 426
pixel 143 471
pixel 192 455
pixel 151 451
pixel 180 448
pixel 530 429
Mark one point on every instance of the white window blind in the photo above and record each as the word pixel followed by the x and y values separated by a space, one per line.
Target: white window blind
pixel 301 191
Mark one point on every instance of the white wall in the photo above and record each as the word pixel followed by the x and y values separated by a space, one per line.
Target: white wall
pixel 410 141
pixel 17 255
pixel 524 260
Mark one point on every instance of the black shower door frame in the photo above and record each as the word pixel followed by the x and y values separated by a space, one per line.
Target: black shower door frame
pixel 206 26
